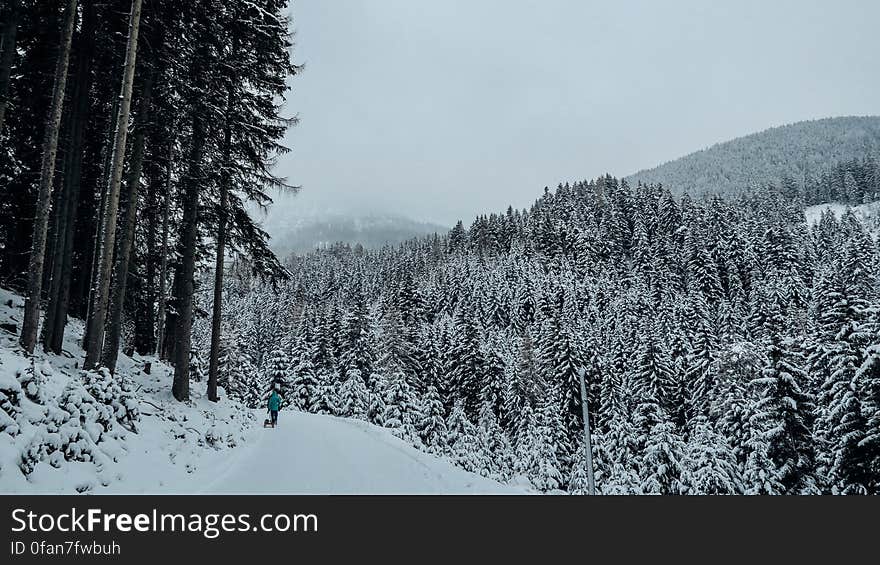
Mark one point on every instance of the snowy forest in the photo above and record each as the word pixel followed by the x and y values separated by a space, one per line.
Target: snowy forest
pixel 728 345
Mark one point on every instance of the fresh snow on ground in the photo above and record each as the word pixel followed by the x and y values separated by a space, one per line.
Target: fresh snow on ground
pixel 316 454
pixel 60 434
pixel 167 447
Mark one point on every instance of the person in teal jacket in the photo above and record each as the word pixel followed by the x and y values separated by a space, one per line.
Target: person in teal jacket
pixel 274 406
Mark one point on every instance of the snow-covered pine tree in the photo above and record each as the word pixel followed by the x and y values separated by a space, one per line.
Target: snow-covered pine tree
pixel 197 371
pixel 496 445
pixel 701 378
pixel 278 376
pixel 356 338
pixel 545 471
pixel 303 391
pixel 783 410
pixel 401 410
pixel 654 376
pixel 466 360
pixel 709 465
pixel 760 475
pixel 376 391
pixel 247 384
pixel 228 358
pixel 432 423
pixel 661 460
pixel 326 395
pixel 841 423
pixel 462 442
pixel 353 396
pixel 868 383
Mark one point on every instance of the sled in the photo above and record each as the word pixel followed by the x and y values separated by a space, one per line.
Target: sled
pixel 267 423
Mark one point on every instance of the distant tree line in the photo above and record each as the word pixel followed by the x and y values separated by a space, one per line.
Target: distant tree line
pixel 856 181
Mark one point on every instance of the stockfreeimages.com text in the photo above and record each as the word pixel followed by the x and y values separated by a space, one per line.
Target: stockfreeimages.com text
pixel 209 525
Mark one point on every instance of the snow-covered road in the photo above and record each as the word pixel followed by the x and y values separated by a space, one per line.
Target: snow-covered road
pixel 313 454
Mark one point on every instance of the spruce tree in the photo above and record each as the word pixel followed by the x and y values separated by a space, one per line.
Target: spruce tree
pixel 353 396
pixel 431 426
pixel 783 411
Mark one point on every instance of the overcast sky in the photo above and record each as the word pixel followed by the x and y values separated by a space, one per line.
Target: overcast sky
pixel 444 109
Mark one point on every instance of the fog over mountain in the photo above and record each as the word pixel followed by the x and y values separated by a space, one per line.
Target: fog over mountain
pixel 306 233
pixel 802 152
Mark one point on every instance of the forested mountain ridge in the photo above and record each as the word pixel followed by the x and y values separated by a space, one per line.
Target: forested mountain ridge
pixel 801 152
pixel 305 234
pixel 729 347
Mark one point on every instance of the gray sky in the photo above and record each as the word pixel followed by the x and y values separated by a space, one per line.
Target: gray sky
pixel 445 109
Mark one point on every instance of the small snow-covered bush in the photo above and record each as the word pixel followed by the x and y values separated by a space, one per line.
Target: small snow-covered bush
pixel 84 423
pixel 31 380
pixel 220 436
pixel 72 431
pixel 10 405
pixel 93 416
pixel 116 393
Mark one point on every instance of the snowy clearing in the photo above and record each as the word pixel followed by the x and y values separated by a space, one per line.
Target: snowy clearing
pixel 869 214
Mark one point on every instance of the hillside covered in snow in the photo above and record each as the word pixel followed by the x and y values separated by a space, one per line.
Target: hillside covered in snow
pixel 807 148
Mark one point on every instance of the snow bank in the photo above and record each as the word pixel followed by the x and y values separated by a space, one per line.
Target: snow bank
pixel 63 430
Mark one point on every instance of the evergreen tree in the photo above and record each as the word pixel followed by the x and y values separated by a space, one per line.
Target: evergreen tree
pixel 783 412
pixel 467 361
pixel 461 440
pixel 868 382
pixel 278 376
pixel 709 465
pixel 401 410
pixel 353 396
pixel 432 424
pixel 304 391
pixel 661 461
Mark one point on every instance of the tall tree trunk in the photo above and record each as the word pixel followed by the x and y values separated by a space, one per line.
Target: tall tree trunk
pixel 123 253
pixel 163 264
pixel 188 242
pixel 44 198
pixel 145 326
pixel 95 248
pixel 56 233
pixel 98 311
pixel 169 343
pixel 7 57
pixel 59 289
pixel 214 360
